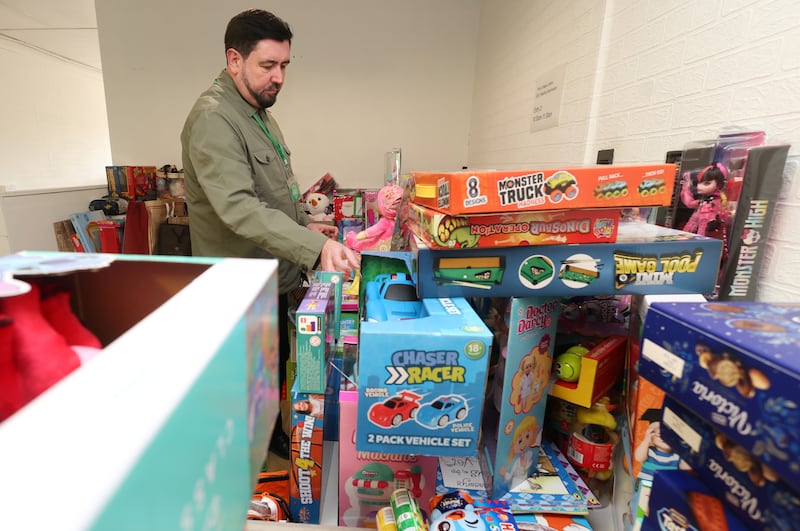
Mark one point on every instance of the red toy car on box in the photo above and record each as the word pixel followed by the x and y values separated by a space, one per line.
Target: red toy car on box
pixel 395 410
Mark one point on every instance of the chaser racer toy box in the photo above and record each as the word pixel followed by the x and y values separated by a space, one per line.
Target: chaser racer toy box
pixel 646 259
pixel 445 231
pixel 421 369
pixel 469 192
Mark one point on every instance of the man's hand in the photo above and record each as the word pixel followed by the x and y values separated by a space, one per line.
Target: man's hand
pixel 338 257
pixel 331 231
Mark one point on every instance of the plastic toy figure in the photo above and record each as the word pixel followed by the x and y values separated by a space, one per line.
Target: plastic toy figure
pixel 706 198
pixel 379 236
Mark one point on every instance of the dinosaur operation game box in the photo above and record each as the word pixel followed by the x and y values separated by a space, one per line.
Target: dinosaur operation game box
pixel 445 231
pixel 481 192
pixel 646 259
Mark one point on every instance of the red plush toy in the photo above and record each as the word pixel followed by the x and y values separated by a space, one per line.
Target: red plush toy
pixel 11 397
pixel 42 356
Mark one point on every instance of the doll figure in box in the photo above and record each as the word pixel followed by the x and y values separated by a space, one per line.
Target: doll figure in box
pixel 707 198
pixel 521 452
pixel 378 237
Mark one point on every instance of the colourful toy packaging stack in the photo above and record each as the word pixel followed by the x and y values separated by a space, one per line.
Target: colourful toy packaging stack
pixel 514 414
pixel 305 457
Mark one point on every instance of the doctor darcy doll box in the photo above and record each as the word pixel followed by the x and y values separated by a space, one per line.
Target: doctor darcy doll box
pixel 167 427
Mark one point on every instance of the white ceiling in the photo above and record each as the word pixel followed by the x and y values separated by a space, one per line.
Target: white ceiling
pixel 66 29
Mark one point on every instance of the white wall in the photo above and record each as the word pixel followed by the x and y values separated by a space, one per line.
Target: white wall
pixel 645 77
pixel 366 76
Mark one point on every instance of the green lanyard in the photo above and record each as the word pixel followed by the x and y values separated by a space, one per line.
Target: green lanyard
pixel 275 143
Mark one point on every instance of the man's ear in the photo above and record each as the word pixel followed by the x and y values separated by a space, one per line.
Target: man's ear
pixel 234 60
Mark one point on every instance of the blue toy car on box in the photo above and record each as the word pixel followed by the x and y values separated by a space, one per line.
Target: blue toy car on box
pixel 442 411
pixel 392 297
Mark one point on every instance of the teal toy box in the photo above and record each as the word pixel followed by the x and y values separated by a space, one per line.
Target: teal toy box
pixel 316 323
pixel 167 427
pixel 514 416
pixel 421 380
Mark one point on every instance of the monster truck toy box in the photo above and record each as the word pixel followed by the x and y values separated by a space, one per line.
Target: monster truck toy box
pixel 367 479
pixel 166 427
pixel 645 259
pixel 421 380
pixel 509 229
pixel 735 364
pixel 483 192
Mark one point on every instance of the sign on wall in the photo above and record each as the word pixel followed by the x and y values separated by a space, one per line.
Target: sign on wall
pixel 547 101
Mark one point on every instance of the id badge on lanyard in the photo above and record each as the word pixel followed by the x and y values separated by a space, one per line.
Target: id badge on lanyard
pixel 294 188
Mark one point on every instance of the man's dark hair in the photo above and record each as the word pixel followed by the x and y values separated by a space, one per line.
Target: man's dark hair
pixel 248 27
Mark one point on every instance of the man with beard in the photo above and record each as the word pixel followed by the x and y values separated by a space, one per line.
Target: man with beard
pixel 242 196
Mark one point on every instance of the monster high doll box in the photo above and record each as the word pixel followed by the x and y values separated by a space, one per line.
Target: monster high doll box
pixel 445 231
pixel 645 259
pixel 734 364
pixel 514 414
pixel 489 192
pixel 367 479
pixel 172 415
pixel 681 500
pixel 315 324
pixel 754 491
pixel 306 456
pixel 422 367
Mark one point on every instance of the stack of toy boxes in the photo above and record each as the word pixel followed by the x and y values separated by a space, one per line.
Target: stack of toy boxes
pixel 422 366
pixel 515 406
pixel 731 378
pixel 315 324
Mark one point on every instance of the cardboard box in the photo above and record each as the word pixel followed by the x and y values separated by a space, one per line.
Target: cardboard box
pixel 645 259
pixel 752 490
pixel 445 231
pixel 420 381
pixel 174 415
pixel 601 368
pixel 728 362
pixel 315 324
pixel 512 423
pixel 488 192
pixel 306 456
pixel 367 479
pixel 680 500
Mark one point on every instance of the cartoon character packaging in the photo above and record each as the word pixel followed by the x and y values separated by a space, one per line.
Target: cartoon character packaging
pixel 513 421
pixel 482 192
pixel 421 381
pixel 753 490
pixel 458 511
pixel 733 364
pixel 510 229
pixel 367 479
pixel 305 456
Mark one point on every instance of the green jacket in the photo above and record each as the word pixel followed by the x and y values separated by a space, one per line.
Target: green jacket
pixel 238 188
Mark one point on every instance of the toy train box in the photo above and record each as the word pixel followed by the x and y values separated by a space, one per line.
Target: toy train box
pixel 367 479
pixel 315 325
pixel 680 500
pixel 445 231
pixel 422 369
pixel 514 418
pixel 645 259
pixel 735 364
pixel 305 456
pixel 489 192
pixel 754 491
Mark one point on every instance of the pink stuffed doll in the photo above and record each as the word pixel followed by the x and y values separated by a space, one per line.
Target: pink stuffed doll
pixel 378 237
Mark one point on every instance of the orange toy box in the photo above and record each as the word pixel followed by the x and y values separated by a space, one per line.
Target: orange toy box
pixel 444 231
pixel 479 192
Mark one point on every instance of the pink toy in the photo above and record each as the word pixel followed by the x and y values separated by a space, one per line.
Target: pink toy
pixel 379 236
pixel 706 198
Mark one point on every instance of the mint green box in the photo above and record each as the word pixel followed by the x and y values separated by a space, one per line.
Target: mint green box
pixel 167 427
pixel 315 323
